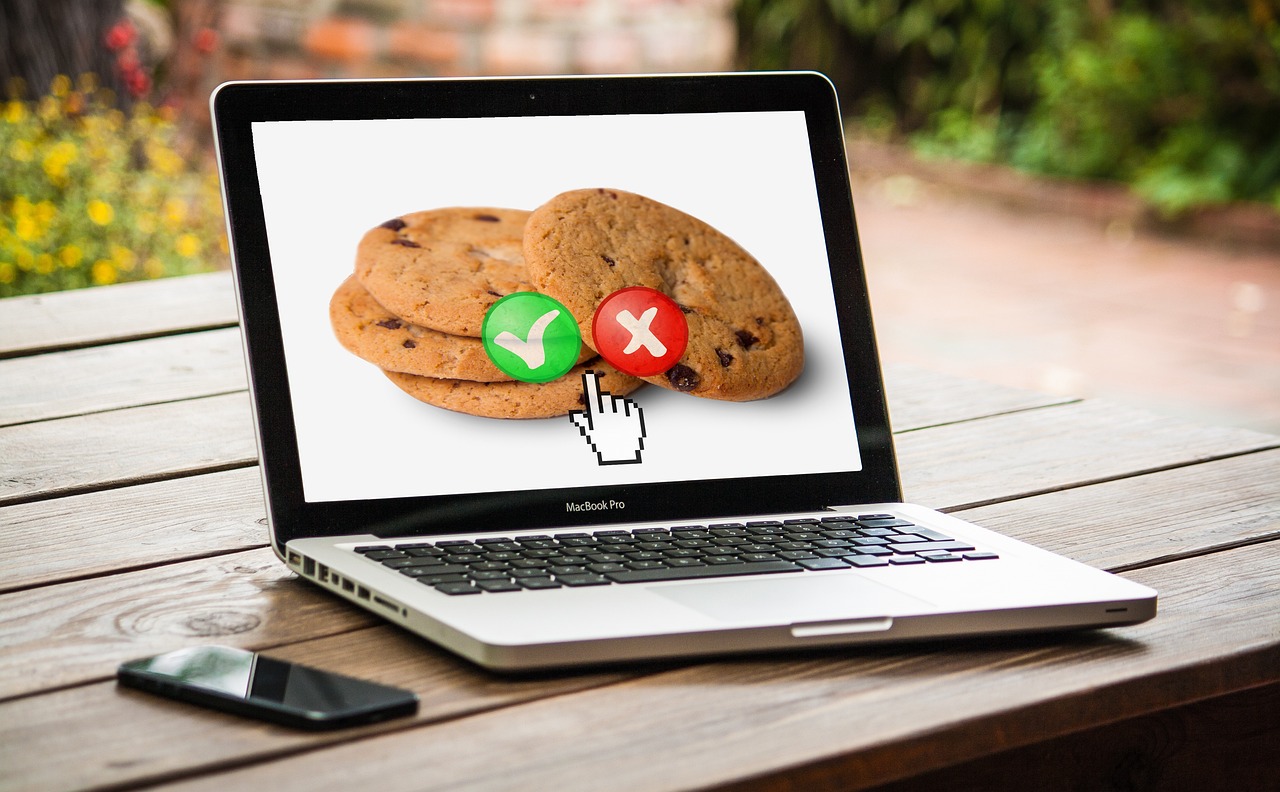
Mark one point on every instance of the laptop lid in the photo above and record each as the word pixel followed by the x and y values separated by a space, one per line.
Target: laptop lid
pixel 309 168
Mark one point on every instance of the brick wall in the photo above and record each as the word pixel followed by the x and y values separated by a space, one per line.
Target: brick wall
pixel 328 38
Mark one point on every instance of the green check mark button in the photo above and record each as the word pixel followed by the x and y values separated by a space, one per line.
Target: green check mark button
pixel 531 337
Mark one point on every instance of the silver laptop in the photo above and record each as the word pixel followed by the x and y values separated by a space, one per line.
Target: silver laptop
pixel 627 512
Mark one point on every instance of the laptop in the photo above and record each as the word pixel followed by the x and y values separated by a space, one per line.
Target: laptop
pixel 581 509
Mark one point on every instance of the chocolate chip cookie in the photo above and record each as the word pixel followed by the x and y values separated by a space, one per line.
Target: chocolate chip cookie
pixel 744 338
pixel 442 269
pixel 514 399
pixel 371 332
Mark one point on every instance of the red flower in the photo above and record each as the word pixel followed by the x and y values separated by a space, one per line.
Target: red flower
pixel 206 40
pixel 121 35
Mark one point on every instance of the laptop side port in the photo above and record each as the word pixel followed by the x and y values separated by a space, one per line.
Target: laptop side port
pixel 324 574
pixel 308 567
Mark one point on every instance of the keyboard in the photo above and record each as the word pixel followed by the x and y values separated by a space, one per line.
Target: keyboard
pixel 646 555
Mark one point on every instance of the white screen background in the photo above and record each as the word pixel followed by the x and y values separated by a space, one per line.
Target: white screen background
pixel 325 183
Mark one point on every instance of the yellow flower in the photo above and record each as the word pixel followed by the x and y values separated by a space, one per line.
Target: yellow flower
pixel 187 245
pixel 60 85
pixel 44 264
pixel 154 267
pixel 103 273
pixel 101 212
pixel 48 108
pixel 46 211
pixel 56 161
pixel 165 160
pixel 123 257
pixel 8 272
pixel 22 151
pixel 146 222
pixel 26 228
pixel 71 255
pixel 175 212
pixel 15 111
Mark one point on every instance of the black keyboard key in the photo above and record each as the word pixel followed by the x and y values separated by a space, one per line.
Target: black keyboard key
pixel 586 579
pixel 878 532
pixel 925 547
pixel 796 555
pixel 822 563
pixel 867 561
pixel 754 557
pixel 401 563
pixel 904 538
pixel 424 552
pixel 688 573
pixel 418 571
pixel 981 555
pixel 766 523
pixel 874 551
pixel 433 579
pixel 370 549
pixel 932 536
pixel 529 573
pixel 943 557
pixel 567 569
pixel 713 560
pixel 538 583
pixel 645 555
pixel 490 575
pixel 454 589
pixel 489 540
pixel 383 555
pixel 903 560
pixel 868 541
pixel 683 562
pixel 497 586
pixel 645 565
pixel 600 569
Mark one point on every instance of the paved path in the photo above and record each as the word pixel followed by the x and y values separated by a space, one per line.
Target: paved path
pixel 1072 306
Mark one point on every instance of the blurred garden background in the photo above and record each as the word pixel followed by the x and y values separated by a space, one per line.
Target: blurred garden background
pixel 105 166
pixel 1076 196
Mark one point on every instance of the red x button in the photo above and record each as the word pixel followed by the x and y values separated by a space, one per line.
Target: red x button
pixel 640 331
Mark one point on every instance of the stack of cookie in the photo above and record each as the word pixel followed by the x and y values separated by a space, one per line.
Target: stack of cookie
pixel 423 282
pixel 416 302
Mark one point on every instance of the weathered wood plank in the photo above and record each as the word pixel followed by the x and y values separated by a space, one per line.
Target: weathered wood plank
pixel 1150 519
pixel 920 398
pixel 1230 742
pixel 115 376
pixel 1017 454
pixel 860 718
pixel 111 530
pixel 170 528
pixel 1122 540
pixel 71 455
pixel 107 314
pixel 67 634
pixel 155 738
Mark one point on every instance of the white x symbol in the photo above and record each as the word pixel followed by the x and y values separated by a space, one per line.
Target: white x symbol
pixel 641 335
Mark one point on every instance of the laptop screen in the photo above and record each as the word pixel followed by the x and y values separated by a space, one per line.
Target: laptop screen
pixel 441 344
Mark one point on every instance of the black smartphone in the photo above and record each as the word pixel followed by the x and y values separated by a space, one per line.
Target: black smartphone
pixel 247 683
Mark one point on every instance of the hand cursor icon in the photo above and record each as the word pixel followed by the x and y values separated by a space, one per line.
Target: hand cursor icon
pixel 613 425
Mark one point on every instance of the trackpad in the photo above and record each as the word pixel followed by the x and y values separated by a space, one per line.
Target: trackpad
pixel 794 598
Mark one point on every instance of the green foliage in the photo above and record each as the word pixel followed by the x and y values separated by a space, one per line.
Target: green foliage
pixel 90 195
pixel 1180 98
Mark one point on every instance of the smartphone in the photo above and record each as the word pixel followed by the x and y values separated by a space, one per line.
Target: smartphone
pixel 247 683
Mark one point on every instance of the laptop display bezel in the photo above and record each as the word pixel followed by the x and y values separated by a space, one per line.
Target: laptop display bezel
pixel 236 106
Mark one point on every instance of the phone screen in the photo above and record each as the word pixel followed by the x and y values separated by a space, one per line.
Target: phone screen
pixel 249 683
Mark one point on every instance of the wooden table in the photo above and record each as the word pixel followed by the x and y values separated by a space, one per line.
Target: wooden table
pixel 131 522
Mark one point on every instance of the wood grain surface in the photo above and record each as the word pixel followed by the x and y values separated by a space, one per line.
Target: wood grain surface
pixel 110 314
pixel 132 522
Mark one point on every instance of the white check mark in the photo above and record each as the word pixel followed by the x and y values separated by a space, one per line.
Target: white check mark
pixel 530 349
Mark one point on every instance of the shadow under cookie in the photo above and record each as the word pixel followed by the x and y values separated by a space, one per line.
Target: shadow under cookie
pixel 515 399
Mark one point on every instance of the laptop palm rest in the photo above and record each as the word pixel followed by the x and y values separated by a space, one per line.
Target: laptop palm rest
pixel 840 602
